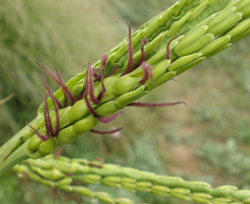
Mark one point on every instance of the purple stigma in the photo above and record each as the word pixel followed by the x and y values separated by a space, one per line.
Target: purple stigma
pixel 112 72
pixel 108 119
pixel 42 137
pixel 65 95
pixel 130 51
pixel 50 93
pixel 91 84
pixel 143 53
pixel 47 120
pixel 168 46
pixel 156 105
pixel 59 82
pixel 107 132
pixel 147 70
pixel 103 66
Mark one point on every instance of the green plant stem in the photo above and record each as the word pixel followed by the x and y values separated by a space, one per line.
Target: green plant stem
pixel 10 146
pixel 18 156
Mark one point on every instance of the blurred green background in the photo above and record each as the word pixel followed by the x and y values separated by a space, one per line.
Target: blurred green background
pixel 208 140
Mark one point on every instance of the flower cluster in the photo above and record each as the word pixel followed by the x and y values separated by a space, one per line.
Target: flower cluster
pixel 94 74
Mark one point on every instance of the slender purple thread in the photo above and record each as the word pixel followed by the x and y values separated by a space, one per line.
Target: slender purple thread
pixel 112 72
pixel 42 137
pixel 95 74
pixel 45 107
pixel 145 73
pixel 104 61
pixel 57 118
pixel 86 90
pixel 108 119
pixel 155 105
pixel 147 70
pixel 47 118
pixel 91 85
pixel 107 132
pixel 130 51
pixel 103 66
pixel 58 74
pixel 89 91
pixel 50 93
pixel 100 95
pixel 168 46
pixel 91 110
pixel 64 93
pixel 143 53
pixel 80 96
pixel 62 85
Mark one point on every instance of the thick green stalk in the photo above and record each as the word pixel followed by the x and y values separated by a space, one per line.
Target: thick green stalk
pixel 204 28
pixel 60 173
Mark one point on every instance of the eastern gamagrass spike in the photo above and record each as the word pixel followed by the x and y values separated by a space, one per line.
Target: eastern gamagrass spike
pixel 219 22
pixel 52 170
